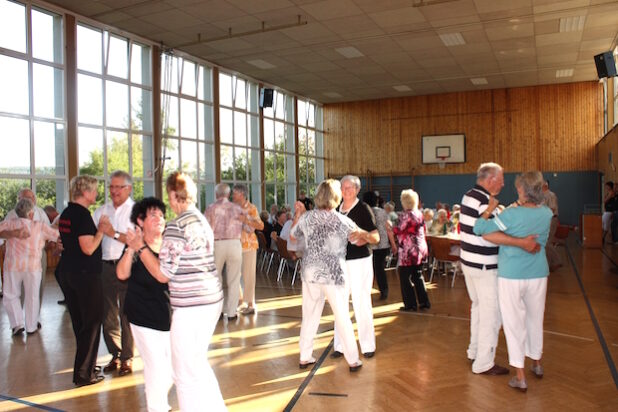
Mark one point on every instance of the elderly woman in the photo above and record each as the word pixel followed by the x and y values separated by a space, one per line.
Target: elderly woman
pixel 326 234
pixel 410 233
pixel 384 246
pixel 186 262
pixel 441 225
pixel 610 204
pixel 79 275
pixel 147 305
pixel 22 266
pixel 522 277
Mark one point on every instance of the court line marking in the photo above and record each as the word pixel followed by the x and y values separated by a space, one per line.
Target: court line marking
pixel 335 395
pixel 595 323
pixel 30 404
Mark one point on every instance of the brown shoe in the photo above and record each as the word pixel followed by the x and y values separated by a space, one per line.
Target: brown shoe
pixel 112 365
pixel 126 367
pixel 496 370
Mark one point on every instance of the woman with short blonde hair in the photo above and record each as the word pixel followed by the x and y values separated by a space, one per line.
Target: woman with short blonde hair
pixel 82 184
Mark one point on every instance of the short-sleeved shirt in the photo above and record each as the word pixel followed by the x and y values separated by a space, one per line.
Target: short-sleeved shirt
pixel 476 252
pixel 24 255
pixel 76 221
pixel 248 239
pixel 381 222
pixel 326 238
pixel 514 262
pixel 362 215
pixel 187 259
pixel 147 302
pixel 224 218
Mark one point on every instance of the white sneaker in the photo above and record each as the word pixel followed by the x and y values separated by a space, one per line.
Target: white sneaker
pixel 249 310
pixel 537 370
pixel 520 385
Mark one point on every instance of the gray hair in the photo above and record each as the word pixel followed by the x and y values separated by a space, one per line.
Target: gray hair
pixel 487 170
pixel 354 179
pixel 532 185
pixel 27 193
pixel 80 184
pixel 24 207
pixel 239 187
pixel 222 190
pixel 128 180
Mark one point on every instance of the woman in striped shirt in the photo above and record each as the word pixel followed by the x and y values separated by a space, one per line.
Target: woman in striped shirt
pixel 186 262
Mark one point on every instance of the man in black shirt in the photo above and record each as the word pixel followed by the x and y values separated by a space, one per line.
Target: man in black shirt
pixel 359 263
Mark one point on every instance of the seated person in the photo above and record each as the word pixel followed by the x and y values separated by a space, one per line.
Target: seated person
pixel 282 217
pixel 428 218
pixel 268 228
pixel 441 225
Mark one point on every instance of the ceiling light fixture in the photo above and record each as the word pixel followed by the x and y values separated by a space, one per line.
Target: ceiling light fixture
pixel 261 64
pixel 452 39
pixel 402 88
pixel 478 81
pixel 349 52
pixel 564 73
pixel 575 23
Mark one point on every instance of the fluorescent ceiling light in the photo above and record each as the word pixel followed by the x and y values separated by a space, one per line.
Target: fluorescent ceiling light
pixel 479 81
pixel 575 23
pixel 564 73
pixel 333 95
pixel 261 64
pixel 402 88
pixel 349 52
pixel 452 39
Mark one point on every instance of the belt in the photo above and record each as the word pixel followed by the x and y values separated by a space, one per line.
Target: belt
pixel 111 262
pixel 229 238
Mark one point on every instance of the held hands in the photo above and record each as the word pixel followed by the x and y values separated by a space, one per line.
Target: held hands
pixel 493 203
pixel 105 226
pixel 135 238
pixel 530 245
pixel 357 238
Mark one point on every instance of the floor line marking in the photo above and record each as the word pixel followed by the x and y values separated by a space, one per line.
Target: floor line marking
pixel 30 404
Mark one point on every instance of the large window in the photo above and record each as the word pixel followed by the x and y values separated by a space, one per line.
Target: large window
pixel 280 151
pixel 187 112
pixel 310 147
pixel 615 81
pixel 240 134
pixel 114 110
pixel 32 106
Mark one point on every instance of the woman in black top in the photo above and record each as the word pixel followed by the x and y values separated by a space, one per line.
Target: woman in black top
pixel 147 305
pixel 79 276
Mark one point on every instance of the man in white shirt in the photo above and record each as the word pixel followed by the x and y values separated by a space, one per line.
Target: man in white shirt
pixel 116 329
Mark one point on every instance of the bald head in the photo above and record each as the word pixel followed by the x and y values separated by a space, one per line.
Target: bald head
pixel 27 194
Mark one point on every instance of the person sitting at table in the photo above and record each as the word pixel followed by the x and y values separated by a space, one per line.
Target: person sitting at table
pixel 441 225
pixel 428 218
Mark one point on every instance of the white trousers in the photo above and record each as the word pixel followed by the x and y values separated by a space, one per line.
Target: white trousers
pixel 228 253
pixel 155 350
pixel 522 302
pixel 606 220
pixel 359 282
pixel 196 384
pixel 313 304
pixel 12 294
pixel 249 261
pixel 485 322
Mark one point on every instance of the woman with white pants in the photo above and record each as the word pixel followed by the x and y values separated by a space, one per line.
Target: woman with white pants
pixel 522 277
pixel 326 235
pixel 186 262
pixel 147 305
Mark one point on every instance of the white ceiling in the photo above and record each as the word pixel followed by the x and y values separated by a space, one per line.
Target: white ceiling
pixel 510 43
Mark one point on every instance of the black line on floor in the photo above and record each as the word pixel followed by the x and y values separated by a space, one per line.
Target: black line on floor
pixel 609 257
pixel 595 323
pixel 30 404
pixel 303 385
pixel 335 395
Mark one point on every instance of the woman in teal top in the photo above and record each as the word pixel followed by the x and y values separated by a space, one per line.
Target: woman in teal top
pixel 522 277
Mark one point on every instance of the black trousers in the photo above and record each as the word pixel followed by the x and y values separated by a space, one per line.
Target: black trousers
pixel 116 330
pixel 84 300
pixel 379 260
pixel 407 276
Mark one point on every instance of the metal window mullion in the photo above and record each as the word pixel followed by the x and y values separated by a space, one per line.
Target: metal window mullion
pixel 30 91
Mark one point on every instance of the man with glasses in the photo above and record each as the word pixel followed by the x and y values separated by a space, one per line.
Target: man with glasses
pixel 116 329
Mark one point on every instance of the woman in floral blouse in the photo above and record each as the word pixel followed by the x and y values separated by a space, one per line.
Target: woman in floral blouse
pixel 410 233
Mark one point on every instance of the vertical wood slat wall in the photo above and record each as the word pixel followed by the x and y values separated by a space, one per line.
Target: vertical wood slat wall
pixel 547 128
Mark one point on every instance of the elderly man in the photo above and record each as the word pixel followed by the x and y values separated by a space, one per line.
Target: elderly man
pixel 39 216
pixel 22 265
pixel 249 242
pixel 479 262
pixel 226 219
pixel 359 264
pixel 116 329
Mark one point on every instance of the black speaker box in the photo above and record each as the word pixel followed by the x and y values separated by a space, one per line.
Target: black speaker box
pixel 606 66
pixel 266 98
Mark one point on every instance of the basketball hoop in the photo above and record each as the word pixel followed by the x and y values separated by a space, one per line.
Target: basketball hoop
pixel 441 162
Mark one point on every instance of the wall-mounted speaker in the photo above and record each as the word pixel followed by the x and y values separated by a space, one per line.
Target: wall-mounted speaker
pixel 606 66
pixel 266 98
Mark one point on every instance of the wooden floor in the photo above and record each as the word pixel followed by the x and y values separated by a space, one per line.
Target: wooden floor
pixel 420 363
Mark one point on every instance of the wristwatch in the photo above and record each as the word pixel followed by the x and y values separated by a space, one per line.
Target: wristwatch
pixel 116 235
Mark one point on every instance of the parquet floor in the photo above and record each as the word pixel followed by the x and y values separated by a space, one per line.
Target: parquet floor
pixel 420 363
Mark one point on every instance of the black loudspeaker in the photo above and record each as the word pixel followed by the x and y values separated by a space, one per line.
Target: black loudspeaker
pixel 266 98
pixel 606 66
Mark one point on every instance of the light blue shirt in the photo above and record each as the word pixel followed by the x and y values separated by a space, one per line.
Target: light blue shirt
pixel 514 262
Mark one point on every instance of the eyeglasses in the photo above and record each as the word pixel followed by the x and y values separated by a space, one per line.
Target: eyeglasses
pixel 114 187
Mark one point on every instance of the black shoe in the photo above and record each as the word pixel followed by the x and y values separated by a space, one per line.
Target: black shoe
pixel 336 354
pixel 229 318
pixel 404 309
pixel 96 379
pixel 112 365
pixel 62 302
pixel 356 366
pixel 384 296
pixel 369 354
pixel 427 306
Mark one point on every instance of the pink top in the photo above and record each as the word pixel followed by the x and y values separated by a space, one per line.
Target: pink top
pixel 24 255
pixel 224 218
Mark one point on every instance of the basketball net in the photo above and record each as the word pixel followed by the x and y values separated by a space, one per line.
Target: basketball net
pixel 441 162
